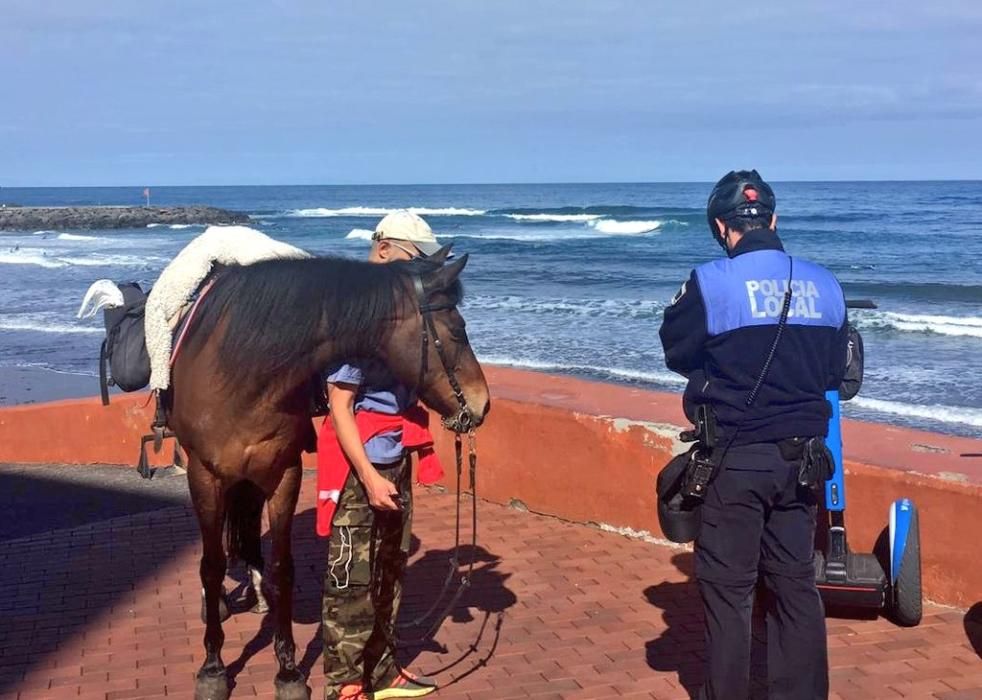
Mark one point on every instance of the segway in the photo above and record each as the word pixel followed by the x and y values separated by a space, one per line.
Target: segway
pixel 888 579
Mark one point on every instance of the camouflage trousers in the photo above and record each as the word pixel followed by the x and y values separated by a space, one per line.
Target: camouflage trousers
pixel 367 555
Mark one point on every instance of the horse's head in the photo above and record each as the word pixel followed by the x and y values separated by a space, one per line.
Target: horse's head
pixel 441 364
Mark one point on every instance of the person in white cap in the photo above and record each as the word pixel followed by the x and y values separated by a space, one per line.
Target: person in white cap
pixel 373 519
pixel 402 235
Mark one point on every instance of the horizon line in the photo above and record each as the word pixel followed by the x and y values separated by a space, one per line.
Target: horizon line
pixel 485 184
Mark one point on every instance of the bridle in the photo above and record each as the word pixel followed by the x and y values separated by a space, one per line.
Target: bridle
pixel 463 420
pixel 460 423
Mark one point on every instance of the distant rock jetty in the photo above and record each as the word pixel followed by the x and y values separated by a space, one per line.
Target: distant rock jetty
pixel 62 218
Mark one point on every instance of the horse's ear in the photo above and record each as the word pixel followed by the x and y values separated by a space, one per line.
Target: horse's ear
pixel 440 256
pixel 445 276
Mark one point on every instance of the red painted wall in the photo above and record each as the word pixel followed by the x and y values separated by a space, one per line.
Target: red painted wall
pixel 589 452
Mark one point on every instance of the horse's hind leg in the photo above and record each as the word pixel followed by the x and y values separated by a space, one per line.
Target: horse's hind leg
pixel 290 683
pixel 252 554
pixel 245 506
pixel 209 503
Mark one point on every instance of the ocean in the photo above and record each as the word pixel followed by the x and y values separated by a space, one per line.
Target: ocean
pixel 571 278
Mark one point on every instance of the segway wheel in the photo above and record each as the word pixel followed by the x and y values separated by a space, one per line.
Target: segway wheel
pixel 906 598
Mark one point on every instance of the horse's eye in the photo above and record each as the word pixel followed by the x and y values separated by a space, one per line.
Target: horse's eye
pixel 459 334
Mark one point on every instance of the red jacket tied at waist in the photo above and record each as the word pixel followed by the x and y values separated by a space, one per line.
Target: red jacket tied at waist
pixel 333 466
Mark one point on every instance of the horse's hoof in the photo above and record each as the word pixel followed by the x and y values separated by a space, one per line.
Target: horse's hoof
pixel 223 612
pixel 211 686
pixel 292 689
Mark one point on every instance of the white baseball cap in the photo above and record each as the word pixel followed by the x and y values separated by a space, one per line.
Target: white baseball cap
pixel 403 225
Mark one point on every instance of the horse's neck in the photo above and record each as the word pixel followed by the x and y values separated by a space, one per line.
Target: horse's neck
pixel 328 354
pixel 328 351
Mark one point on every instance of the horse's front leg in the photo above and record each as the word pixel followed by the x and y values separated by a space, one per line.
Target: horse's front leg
pixel 209 502
pixel 290 683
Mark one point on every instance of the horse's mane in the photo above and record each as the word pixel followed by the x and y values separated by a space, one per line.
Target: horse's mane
pixel 273 312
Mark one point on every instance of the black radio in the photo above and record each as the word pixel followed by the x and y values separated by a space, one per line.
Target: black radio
pixel 698 475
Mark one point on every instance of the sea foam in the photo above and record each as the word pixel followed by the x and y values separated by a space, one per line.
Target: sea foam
pixel 108 261
pixel 965 326
pixel 78 237
pixel 654 377
pixel 40 325
pixel 30 256
pixel 322 212
pixel 937 412
pixel 594 307
pixel 550 218
pixel 625 227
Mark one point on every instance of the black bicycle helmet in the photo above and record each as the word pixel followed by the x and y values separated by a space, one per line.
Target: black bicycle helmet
pixel 739 194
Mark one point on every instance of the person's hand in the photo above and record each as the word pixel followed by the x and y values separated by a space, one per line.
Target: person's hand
pixel 381 492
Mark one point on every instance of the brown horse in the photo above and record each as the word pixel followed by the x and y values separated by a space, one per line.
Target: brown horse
pixel 239 403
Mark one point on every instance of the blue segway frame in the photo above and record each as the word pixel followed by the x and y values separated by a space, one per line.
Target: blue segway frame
pixel 855 582
pixel 901 510
pixel 835 490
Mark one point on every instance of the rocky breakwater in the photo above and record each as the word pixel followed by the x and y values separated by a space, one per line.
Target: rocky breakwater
pixel 62 218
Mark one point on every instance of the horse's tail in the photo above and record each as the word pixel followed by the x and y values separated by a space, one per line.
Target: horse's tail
pixel 243 523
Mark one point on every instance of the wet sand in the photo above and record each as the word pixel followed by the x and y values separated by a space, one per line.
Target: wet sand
pixel 24 385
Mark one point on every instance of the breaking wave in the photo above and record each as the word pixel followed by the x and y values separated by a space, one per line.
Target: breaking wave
pixel 41 258
pixel 20 323
pixel 625 227
pixel 78 237
pixel 550 218
pixel 322 212
pixel 652 377
pixel 937 412
pixel 30 256
pixel 362 234
pixel 108 261
pixel 533 235
pixel 610 308
pixel 603 211
pixel 965 326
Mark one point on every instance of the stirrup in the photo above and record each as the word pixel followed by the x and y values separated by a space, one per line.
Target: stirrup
pixel 143 464
pixel 158 433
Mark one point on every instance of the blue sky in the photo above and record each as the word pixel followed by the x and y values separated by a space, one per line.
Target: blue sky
pixel 114 92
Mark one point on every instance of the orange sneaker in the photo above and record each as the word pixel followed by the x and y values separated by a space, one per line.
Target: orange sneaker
pixel 351 691
pixel 405 685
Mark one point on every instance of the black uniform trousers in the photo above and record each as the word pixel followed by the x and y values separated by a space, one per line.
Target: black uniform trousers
pixel 757 519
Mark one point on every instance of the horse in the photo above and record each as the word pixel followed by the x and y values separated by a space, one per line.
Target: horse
pixel 239 402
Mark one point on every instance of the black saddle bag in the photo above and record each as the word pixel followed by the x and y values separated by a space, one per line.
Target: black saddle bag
pixel 123 359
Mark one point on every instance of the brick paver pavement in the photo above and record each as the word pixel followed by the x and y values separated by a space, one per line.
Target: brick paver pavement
pixel 109 610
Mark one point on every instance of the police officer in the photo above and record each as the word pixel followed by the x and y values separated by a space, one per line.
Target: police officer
pixel 761 358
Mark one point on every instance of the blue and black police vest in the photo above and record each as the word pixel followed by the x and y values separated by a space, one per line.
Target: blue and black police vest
pixel 743 298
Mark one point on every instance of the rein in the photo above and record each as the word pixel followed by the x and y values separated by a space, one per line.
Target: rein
pixel 392 637
pixel 461 422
